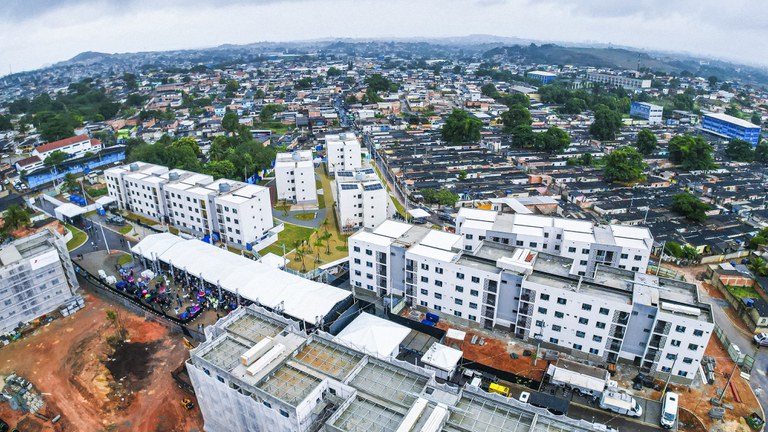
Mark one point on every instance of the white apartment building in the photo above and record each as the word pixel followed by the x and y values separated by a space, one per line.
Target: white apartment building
pixel 343 152
pixel 361 199
pixel 36 278
pixel 258 372
pixel 238 213
pixel 615 315
pixel 620 81
pixel 75 146
pixel 295 177
pixel 620 246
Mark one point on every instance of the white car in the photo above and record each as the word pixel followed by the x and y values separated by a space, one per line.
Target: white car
pixel 524 397
pixel 761 339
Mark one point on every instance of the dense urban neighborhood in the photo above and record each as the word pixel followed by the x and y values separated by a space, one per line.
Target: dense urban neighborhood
pixel 395 236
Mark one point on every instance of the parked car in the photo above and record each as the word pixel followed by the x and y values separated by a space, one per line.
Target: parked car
pixel 761 339
pixel 419 221
pixel 116 220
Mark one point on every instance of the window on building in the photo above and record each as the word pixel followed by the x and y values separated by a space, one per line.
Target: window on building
pixel 424 292
pixel 638 257
pixel 460 276
pixel 553 340
pixel 472 317
pixel 468 236
pixel 594 351
pixel 671 356
pixel 693 347
pixel 424 266
pixel 475 279
pixel 457 313
pixel 600 325
pixel 571 249
pixel 459 288
pixel 583 321
pixel 438 283
pixel 687 360
pixel 586 307
pixel 597 338
pixel 682 373
pixel 577 347
pixel 675 343
pixel 559 315
pixel 680 329
pixel 459 301
pixel 544 297
pixel 604 311
pixel 698 332
pixel 519 243
pixel 556 328
pixel 438 296
pixel 561 301
pixel 474 293
pixel 580 334
pixel 438 270
pixel 425 279
pixel 472 305
pixel 533 244
pixel 624 256
pixel 542 310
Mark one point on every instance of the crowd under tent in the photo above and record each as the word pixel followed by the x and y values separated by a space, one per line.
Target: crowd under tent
pixel 313 303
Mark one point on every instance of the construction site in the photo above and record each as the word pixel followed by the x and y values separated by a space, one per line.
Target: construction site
pixel 102 368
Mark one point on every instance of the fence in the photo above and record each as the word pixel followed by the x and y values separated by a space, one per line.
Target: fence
pixel 745 361
pixel 138 307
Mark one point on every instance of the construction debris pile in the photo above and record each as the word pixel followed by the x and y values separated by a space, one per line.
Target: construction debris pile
pixel 20 394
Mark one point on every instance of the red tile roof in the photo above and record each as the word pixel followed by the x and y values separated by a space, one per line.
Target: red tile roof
pixel 61 143
pixel 28 161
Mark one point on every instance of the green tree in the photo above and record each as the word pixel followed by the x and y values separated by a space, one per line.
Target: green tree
pixel 712 81
pixel 332 72
pixel 489 90
pixel 674 249
pixel 5 123
pixel 692 153
pixel 625 165
pixel 55 158
pixel 758 267
pixel 380 84
pixel 523 136
pixel 574 106
pixel 554 140
pixel 761 152
pixel 606 125
pixel 690 207
pixel 759 239
pixel 232 86
pixel 70 182
pixel 220 169
pixel 646 142
pixel 740 151
pixel 15 217
pixel 269 110
pixel 756 118
pixel 517 115
pixel 462 175
pixel 460 127
pixel 230 122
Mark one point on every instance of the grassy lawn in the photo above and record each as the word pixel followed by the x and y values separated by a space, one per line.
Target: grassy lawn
pixel 275 126
pixel 342 248
pixel 288 237
pixel 124 260
pixel 400 209
pixel 306 216
pixel 742 292
pixel 78 238
pixel 125 229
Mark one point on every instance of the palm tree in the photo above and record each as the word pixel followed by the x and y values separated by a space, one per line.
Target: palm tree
pixel 325 225
pixel 758 267
pixel 318 245
pixel 327 239
pixel 300 254
pixel 15 217
pixel 297 246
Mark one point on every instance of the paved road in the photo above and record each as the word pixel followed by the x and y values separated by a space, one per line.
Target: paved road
pixel 291 219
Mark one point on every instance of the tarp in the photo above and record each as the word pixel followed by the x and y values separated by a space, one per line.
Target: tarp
pixel 374 335
pixel 576 379
pixel 298 297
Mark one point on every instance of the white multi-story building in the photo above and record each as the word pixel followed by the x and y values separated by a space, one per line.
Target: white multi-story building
pixel 651 112
pixel 36 278
pixel 620 81
pixel 239 213
pixel 621 246
pixel 258 372
pixel 610 315
pixel 75 146
pixel 361 200
pixel 343 152
pixel 295 177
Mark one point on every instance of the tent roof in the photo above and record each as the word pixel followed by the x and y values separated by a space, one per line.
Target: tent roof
pixel 105 200
pixel 374 335
pixel 269 286
pixel 418 213
pixel 442 357
pixel 70 210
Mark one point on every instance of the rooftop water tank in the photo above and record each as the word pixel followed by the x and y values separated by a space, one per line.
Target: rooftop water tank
pixel 133 167
pixel 173 176
pixel 359 175
pixel 296 156
pixel 224 187
pixel 342 136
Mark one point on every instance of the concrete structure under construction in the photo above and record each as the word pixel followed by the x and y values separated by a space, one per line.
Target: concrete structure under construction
pixel 257 372
pixel 36 278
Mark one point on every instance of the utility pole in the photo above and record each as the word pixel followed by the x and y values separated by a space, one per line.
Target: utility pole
pixel 669 377
pixel 105 238
pixel 727 383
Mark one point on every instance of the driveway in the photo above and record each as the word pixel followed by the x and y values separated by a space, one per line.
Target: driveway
pixel 291 217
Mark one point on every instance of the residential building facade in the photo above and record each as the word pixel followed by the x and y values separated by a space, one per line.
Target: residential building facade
pixel 295 177
pixel 36 278
pixel 620 246
pixel 361 199
pixel 607 316
pixel 343 152
pixel 544 77
pixel 238 213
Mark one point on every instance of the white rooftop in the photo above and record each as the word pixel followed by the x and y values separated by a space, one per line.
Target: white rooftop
pixel 442 357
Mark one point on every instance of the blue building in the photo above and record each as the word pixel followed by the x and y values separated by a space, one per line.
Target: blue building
pixel 544 77
pixel 731 127
pixel 644 110
pixel 48 174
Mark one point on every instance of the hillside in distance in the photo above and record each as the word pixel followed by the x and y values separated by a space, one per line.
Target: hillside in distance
pixel 624 58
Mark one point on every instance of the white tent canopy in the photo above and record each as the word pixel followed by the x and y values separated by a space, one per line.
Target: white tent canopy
pixel 418 213
pixel 442 357
pixel 69 210
pixel 278 290
pixel 374 335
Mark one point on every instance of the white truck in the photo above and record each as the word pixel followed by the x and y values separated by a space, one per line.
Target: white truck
pixel 622 403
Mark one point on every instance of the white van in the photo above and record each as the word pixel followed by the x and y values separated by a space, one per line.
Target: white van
pixel 669 410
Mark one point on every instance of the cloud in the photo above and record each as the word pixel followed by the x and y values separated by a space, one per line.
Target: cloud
pixel 34 33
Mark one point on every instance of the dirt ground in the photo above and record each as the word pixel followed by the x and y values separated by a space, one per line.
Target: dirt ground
pixel 96 386
pixel 496 352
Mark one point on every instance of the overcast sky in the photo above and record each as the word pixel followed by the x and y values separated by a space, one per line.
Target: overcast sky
pixel 34 33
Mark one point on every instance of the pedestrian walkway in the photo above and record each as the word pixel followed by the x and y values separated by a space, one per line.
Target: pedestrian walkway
pixel 291 217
